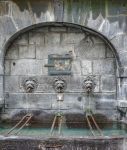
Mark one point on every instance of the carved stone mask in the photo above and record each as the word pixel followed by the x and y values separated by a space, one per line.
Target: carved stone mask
pixel 30 85
pixel 88 85
pixel 59 85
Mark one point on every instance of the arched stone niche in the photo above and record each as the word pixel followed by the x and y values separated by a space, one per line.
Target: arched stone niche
pixel 92 55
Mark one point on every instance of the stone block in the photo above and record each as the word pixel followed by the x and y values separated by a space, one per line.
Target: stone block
pixel 74 84
pixel 123 72
pixel 12 52
pixel 41 29
pixel 104 66
pixel 70 102
pixel 1 88
pixel 74 30
pixel 22 39
pixel 12 84
pixel 108 83
pixel 7 68
pixel 97 40
pixel 1 67
pixel 119 42
pixel 27 67
pixel 52 39
pixel 71 38
pixel 106 105
pixel 91 52
pixel 76 67
pixel 123 58
pixel 86 67
pixel 28 101
pixel 58 29
pixel 109 53
pixel 36 38
pixel 104 97
pixel 27 51
pixel 43 52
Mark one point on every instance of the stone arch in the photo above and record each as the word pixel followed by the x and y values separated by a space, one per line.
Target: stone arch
pixel 86 31
pixel 60 24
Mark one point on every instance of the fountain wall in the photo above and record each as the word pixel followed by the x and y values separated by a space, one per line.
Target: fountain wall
pixel 95 32
pixel 27 56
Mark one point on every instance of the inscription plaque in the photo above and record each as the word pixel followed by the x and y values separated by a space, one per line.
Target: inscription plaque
pixel 59 64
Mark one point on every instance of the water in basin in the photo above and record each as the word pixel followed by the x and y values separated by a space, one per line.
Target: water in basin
pixel 112 129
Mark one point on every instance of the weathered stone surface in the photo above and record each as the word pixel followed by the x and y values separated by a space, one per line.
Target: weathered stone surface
pixel 12 84
pixel 123 58
pixel 108 84
pixel 109 53
pixel 29 101
pixel 4 8
pixel 58 10
pixel 27 67
pixel 29 58
pixel 86 67
pixel 22 39
pixel 7 27
pixel 1 89
pixel 91 51
pixel 7 68
pixel 106 105
pixel 52 39
pixel 119 9
pixel 58 29
pixel 42 52
pixel 13 52
pixel 76 67
pixel 75 84
pixel 26 143
pixel 27 51
pixel 119 42
pixel 36 38
pixel 103 66
pixel 72 38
